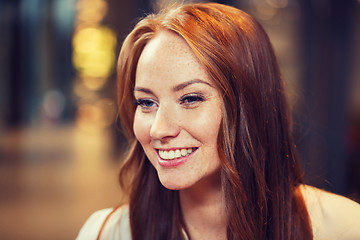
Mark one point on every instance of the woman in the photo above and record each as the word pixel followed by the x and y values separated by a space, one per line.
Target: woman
pixel 212 155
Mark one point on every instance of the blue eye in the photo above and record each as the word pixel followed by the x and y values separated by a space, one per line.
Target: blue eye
pixel 192 99
pixel 145 104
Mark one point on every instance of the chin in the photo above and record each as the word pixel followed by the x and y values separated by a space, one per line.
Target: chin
pixel 173 185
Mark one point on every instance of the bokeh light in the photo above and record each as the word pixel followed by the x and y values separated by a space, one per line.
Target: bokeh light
pixel 53 104
pixel 94 117
pixel 93 54
pixel 93 58
pixel 91 11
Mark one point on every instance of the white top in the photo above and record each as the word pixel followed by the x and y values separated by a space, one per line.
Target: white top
pixel 332 217
pixel 117 226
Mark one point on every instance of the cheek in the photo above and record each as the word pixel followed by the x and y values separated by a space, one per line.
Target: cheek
pixel 141 128
pixel 207 125
pixel 212 132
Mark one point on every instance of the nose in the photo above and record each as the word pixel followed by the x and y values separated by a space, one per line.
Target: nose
pixel 164 125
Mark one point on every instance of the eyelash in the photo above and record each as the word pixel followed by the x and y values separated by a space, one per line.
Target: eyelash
pixel 143 103
pixel 189 101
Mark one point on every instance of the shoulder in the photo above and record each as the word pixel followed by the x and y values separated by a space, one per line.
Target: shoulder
pixel 332 216
pixel 117 225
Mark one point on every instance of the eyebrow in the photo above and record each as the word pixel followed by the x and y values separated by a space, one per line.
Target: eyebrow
pixel 144 90
pixel 185 84
pixel 176 88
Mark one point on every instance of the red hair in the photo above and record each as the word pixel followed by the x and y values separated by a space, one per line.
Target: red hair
pixel 260 172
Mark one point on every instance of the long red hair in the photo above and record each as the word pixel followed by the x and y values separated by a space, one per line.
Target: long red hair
pixel 260 172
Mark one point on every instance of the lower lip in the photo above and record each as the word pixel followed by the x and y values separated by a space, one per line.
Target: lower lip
pixel 174 162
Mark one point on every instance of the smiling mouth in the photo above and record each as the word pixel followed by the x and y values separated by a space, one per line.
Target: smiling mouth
pixel 174 154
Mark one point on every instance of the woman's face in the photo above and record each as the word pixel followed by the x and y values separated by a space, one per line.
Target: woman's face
pixel 178 113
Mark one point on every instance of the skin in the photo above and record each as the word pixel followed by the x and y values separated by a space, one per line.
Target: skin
pixel 179 107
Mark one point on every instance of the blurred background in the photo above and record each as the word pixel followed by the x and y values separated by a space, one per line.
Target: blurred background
pixel 60 149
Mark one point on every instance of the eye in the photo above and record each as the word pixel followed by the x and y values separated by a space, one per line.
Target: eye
pixel 146 104
pixel 191 99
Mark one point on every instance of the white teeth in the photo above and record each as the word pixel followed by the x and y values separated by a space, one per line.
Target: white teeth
pixel 164 154
pixel 168 155
pixel 177 153
pixel 184 152
pixel 171 154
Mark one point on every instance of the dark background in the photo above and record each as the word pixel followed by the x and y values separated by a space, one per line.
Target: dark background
pixel 59 146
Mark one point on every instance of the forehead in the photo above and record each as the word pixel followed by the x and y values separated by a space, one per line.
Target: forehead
pixel 164 42
pixel 166 56
pixel 169 40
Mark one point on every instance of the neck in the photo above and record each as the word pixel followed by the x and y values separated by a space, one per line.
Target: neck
pixel 203 208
